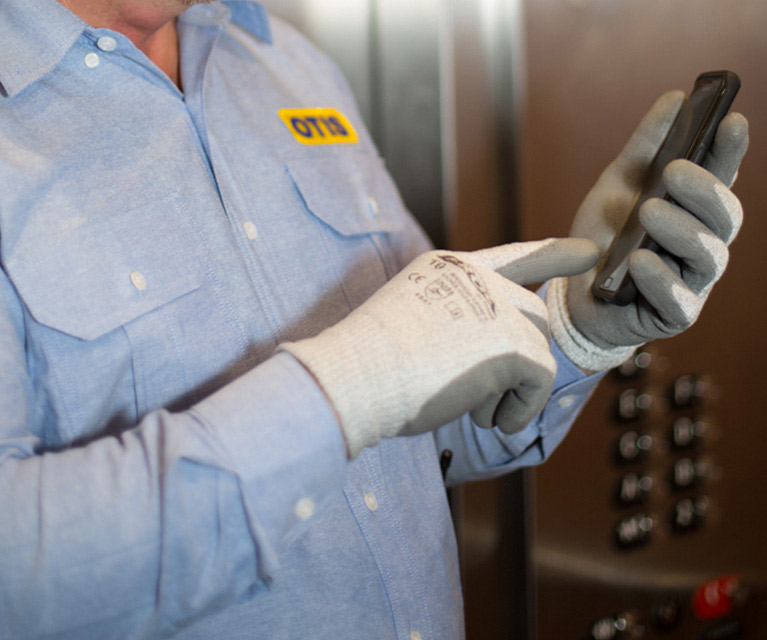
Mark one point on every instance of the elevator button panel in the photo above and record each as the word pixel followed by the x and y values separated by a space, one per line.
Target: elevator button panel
pixel 663 497
pixel 660 454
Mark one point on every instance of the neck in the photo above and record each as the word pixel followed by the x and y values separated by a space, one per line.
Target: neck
pixel 150 25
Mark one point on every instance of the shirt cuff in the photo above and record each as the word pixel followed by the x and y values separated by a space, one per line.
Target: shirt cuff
pixel 579 348
pixel 285 445
pixel 572 389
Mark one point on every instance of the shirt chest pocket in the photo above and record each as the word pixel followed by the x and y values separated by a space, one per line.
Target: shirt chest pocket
pixel 358 208
pixel 96 276
pixel 91 288
pixel 352 197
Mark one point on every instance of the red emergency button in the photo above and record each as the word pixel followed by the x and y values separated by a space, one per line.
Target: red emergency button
pixel 716 598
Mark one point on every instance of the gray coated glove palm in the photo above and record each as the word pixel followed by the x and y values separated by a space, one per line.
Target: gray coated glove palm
pixel 694 231
pixel 453 332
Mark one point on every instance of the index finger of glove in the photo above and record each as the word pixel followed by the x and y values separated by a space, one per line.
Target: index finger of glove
pixel 652 130
pixel 730 145
pixel 531 262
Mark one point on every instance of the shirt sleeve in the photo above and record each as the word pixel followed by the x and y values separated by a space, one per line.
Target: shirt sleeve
pixel 181 515
pixel 486 453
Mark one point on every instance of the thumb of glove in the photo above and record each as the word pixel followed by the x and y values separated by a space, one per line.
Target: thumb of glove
pixel 605 208
pixel 635 158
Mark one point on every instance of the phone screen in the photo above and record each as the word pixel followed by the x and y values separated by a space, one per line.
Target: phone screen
pixel 690 137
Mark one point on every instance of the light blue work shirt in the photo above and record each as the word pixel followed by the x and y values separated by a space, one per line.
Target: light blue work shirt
pixel 162 470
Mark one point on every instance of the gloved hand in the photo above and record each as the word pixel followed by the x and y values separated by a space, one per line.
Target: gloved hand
pixel 451 333
pixel 694 231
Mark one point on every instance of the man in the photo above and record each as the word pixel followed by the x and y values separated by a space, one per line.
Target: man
pixel 216 319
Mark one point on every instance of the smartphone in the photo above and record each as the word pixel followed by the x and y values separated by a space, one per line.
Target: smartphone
pixel 690 137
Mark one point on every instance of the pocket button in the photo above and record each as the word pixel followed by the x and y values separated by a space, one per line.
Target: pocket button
pixel 137 280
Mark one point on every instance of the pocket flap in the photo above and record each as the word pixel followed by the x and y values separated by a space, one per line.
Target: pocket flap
pixel 100 274
pixel 349 193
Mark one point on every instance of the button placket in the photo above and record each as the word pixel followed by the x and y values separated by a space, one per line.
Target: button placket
pixel 370 501
pixel 250 230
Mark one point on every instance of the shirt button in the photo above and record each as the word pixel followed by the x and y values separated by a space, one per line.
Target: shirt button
pixel 373 205
pixel 137 280
pixel 105 43
pixel 250 230
pixel 566 401
pixel 92 60
pixel 305 508
pixel 370 501
pixel 414 635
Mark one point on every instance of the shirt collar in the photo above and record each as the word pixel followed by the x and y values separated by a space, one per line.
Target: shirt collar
pixel 250 15
pixel 35 36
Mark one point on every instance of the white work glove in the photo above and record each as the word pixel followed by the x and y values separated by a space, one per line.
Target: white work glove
pixel 694 231
pixel 451 333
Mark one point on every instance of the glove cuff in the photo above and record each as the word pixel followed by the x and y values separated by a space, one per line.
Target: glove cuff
pixel 577 347
pixel 356 368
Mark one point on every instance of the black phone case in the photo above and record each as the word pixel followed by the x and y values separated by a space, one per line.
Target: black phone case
pixel 613 283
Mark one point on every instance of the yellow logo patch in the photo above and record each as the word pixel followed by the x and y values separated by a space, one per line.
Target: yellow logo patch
pixel 318 126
